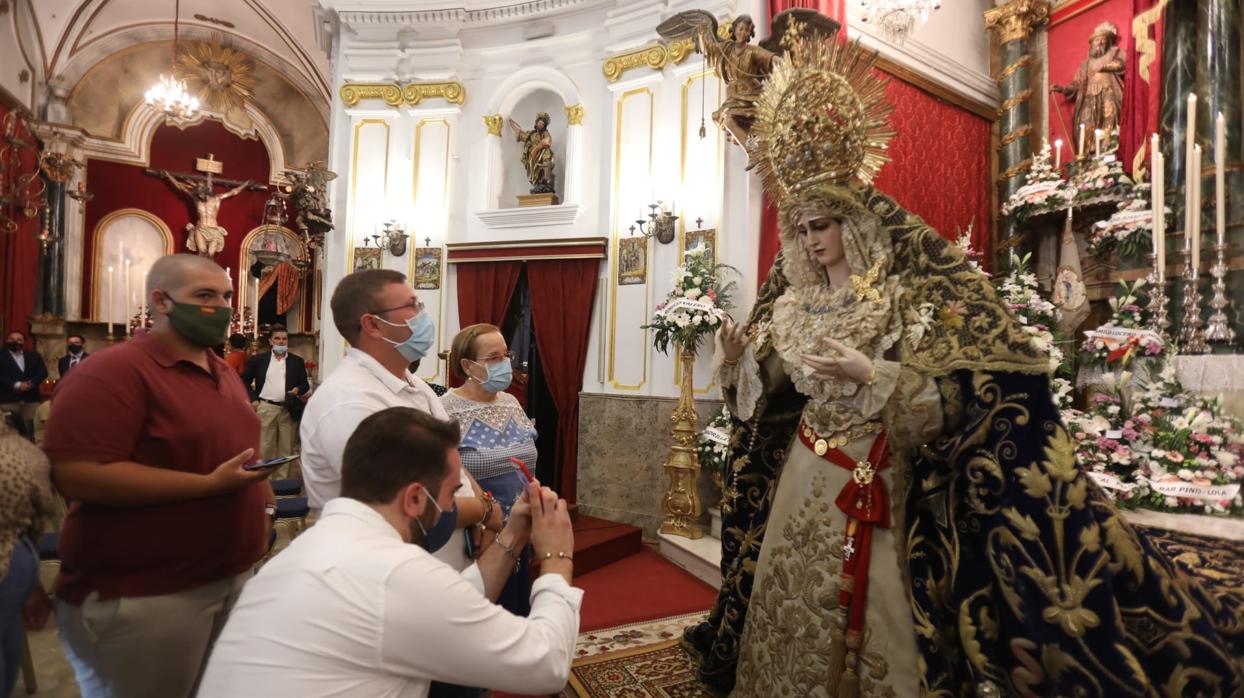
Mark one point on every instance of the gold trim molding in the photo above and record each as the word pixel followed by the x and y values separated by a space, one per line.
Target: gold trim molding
pixel 394 94
pixel 1017 18
pixel 656 57
pixel 493 123
pixel 574 115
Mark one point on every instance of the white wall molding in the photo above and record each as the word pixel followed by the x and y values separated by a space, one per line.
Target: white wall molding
pixel 531 217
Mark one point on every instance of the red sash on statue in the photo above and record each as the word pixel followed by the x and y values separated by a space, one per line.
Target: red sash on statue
pixel 866 502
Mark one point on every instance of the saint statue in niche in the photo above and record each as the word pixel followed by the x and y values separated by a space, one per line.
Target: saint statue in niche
pixel 537 153
pixel 1097 88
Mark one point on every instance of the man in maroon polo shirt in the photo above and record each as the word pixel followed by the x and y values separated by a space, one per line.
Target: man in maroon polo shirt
pixel 148 442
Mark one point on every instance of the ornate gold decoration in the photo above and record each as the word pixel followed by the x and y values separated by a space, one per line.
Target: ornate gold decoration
pixel 1018 169
pixel 865 286
pixel 451 91
pixel 658 56
pixel 221 76
pixel 1017 134
pixel 1014 101
pixel 1016 19
pixel 1024 60
pixel 821 118
pixel 681 503
pixel 353 93
pixel 494 122
pixel 574 114
pixel 1147 53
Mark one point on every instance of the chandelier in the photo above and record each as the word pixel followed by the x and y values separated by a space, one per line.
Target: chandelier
pixel 169 95
pixel 897 18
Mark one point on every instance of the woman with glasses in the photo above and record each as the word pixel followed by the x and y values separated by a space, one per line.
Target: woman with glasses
pixel 496 436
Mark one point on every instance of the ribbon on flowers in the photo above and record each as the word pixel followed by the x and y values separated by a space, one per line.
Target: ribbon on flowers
pixel 1182 489
pixel 1124 351
pixel 689 304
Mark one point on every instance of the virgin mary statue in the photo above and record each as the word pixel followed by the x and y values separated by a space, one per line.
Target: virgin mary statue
pixel 905 514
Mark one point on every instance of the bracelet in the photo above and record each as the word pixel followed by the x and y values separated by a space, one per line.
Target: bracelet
pixel 559 555
pixel 485 498
pixel 730 362
pixel 509 551
pixel 872 376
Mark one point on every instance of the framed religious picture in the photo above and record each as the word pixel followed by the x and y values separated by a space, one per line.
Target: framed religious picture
pixel 632 261
pixel 427 268
pixel 707 239
pixel 366 258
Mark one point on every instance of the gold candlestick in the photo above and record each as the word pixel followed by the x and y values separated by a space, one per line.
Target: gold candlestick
pixel 681 504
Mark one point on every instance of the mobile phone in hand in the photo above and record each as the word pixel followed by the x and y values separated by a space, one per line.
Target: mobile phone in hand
pixel 270 463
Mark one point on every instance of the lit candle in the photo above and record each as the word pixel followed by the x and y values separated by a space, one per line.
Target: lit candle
pixel 1097 134
pixel 1220 181
pixel 1157 194
pixel 255 308
pixel 1196 215
pixel 1080 149
pixel 145 296
pixel 126 304
pixel 111 300
pixel 1058 154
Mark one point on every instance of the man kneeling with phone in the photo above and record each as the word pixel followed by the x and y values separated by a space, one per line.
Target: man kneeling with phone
pixel 357 605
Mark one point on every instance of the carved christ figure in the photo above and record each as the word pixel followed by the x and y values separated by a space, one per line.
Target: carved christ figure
pixel 743 66
pixel 207 237
pixel 1097 88
pixel 537 153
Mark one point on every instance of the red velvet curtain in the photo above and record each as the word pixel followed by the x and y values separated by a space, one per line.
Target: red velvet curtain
pixel 484 290
pixel 770 231
pixel 562 292
pixel 19 251
pixel 288 282
pixel 1142 86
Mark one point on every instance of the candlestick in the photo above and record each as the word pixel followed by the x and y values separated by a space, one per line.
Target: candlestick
pixel 1218 329
pixel 1159 320
pixel 1191 332
pixel 1196 207
pixel 1080 148
pixel 1058 154
pixel 1220 181
pixel 127 304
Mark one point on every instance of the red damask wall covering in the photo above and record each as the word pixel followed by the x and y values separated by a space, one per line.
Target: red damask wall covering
pixel 939 163
pixel 19 253
pixel 117 186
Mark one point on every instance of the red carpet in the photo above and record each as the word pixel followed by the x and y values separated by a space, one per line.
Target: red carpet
pixel 642 587
pixel 598 542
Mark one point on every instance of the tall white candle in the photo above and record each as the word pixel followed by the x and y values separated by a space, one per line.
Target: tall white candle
pixel 126 304
pixel 255 308
pixel 1097 135
pixel 1220 180
pixel 1189 140
pixel 146 296
pixel 1080 148
pixel 1196 206
pixel 112 299
pixel 1058 154
pixel 1160 225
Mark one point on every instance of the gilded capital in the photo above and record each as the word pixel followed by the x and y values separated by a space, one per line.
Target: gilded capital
pixel 574 114
pixel 353 92
pixel 493 123
pixel 451 91
pixel 1016 19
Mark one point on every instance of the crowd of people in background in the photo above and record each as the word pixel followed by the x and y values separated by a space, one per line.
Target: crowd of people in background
pixel 414 575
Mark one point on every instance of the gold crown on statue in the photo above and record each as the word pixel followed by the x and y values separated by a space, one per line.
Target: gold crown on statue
pixel 1106 29
pixel 822 117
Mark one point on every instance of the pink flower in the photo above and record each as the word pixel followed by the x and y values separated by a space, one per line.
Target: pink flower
pixel 1080 435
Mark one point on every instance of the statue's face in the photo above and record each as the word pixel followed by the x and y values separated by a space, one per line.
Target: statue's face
pixel 540 125
pixel 1098 45
pixel 743 32
pixel 821 235
pixel 202 191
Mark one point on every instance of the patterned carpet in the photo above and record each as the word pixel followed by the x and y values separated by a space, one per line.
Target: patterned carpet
pixel 1217 562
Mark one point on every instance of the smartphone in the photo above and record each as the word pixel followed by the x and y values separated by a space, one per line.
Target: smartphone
pixel 270 463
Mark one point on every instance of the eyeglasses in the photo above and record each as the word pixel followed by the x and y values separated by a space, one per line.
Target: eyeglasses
pixel 414 304
pixel 496 358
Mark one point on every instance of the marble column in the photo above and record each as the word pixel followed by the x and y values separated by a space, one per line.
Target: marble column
pixel 1178 75
pixel 50 283
pixel 1014 22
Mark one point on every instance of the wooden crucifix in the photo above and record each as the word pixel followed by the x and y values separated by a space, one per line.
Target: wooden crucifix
pixel 206 237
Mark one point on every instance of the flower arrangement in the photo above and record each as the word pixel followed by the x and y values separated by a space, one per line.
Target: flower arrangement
pixel 1044 190
pixel 1124 337
pixel 713 445
pixel 1107 442
pixel 963 240
pixel 1129 230
pixel 1103 179
pixel 694 307
pixel 1019 291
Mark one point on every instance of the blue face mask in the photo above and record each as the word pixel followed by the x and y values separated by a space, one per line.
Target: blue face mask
pixel 442 531
pixel 499 377
pixel 279 349
pixel 422 335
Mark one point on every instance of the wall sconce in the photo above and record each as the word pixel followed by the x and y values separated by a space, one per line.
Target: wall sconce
pixel 660 225
pixel 392 238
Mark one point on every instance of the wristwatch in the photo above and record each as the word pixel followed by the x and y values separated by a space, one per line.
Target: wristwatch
pixel 270 510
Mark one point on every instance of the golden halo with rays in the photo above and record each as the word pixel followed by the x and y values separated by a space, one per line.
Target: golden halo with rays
pixel 221 76
pixel 822 118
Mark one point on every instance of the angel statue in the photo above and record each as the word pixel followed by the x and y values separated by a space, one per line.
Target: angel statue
pixel 905 514
pixel 741 64
pixel 537 153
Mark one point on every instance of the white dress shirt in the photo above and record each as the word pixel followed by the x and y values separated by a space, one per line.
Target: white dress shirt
pixel 274 381
pixel 19 358
pixel 357 389
pixel 349 609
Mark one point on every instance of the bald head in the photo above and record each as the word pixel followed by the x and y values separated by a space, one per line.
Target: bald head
pixel 174 271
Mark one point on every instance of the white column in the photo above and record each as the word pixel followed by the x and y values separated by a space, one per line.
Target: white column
pixel 574 164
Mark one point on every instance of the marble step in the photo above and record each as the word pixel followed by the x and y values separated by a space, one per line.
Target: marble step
pixel 700 557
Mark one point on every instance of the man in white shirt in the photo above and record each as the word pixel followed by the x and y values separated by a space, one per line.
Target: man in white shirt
pixel 387 328
pixel 351 608
pixel 278 385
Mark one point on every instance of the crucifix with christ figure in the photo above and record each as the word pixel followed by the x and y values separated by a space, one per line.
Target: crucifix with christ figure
pixel 206 237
